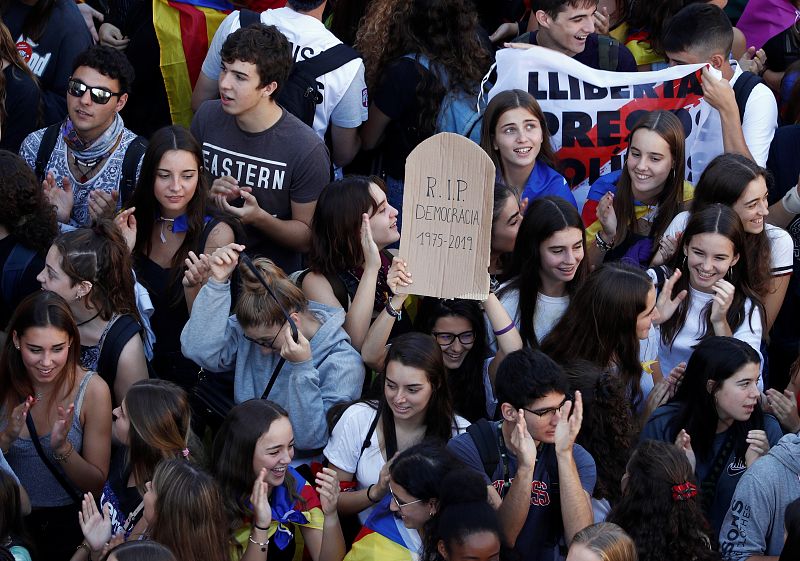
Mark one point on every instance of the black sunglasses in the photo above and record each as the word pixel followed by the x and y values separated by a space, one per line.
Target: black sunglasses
pixel 76 88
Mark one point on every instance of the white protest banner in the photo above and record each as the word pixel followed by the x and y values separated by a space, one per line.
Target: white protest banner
pixel 447 217
pixel 590 112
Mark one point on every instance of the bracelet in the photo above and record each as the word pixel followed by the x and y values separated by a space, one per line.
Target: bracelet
pixel 506 329
pixel 602 244
pixel 396 314
pixel 373 501
pixel 257 527
pixel 63 458
pixel 263 545
pixel 791 201
pixel 86 547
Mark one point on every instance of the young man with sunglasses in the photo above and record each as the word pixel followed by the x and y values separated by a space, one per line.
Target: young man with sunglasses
pixel 268 167
pixel 82 172
pixel 539 480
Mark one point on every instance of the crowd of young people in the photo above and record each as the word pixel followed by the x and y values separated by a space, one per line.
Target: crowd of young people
pixel 212 349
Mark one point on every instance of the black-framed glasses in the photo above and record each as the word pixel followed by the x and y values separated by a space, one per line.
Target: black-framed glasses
pixel 77 88
pixel 397 501
pixel 446 339
pixel 547 411
pixel 271 345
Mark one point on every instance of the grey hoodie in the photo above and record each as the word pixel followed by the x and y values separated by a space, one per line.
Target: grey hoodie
pixel 335 372
pixel 754 523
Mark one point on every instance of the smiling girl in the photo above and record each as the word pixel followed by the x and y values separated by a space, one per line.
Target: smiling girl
pixel 265 499
pixel 628 211
pixel 547 267
pixel 414 405
pixel 514 134
pixel 353 224
pixel 42 387
pixel 709 293
pixel 736 181
pixel 716 412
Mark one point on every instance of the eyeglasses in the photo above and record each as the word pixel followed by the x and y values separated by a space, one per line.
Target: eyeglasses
pixel 446 339
pixel 76 88
pixel 549 411
pixel 271 345
pixel 397 501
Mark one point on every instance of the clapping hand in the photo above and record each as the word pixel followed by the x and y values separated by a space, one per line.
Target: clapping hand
pixel 569 425
pixel 96 526
pixel 328 490
pixel 59 197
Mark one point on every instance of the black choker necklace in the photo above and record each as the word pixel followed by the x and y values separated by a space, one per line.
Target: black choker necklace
pixel 88 320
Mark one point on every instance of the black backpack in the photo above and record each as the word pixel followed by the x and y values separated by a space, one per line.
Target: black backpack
pixel 743 88
pixel 130 162
pixel 13 269
pixel 301 93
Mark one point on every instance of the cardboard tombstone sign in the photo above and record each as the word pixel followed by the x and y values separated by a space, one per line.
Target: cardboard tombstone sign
pixel 447 217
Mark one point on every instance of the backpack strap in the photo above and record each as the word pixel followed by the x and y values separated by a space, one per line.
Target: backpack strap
pixel 485 439
pixel 124 328
pixel 13 269
pixel 59 477
pixel 743 88
pixel 46 147
pixel 608 52
pixel 327 61
pixel 248 17
pixel 130 163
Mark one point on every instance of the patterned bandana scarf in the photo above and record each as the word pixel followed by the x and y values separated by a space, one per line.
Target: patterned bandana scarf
pixel 89 153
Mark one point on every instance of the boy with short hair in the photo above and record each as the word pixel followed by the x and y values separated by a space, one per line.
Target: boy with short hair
pixel 541 482
pixel 258 152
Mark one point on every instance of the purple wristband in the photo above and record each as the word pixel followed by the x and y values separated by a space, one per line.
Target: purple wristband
pixel 506 329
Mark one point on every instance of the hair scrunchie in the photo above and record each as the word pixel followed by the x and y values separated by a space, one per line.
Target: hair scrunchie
pixel 684 491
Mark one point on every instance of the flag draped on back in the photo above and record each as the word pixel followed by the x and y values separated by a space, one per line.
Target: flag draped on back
pixel 185 29
pixel 385 537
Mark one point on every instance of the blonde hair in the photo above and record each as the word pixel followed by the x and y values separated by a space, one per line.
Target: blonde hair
pixel 608 541
pixel 255 306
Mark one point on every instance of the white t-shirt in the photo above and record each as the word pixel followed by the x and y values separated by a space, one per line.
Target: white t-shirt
pixel 348 437
pixel 689 335
pixel 781 245
pixel 344 90
pixel 758 126
pixel 549 309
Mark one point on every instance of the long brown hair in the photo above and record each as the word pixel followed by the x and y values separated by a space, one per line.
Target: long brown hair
pixel 100 256
pixel 600 322
pixel 502 103
pixel 40 309
pixel 668 127
pixel 717 219
pixel 724 181
pixel 189 514
pixel 160 427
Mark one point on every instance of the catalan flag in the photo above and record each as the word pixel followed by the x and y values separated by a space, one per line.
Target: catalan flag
pixel 385 537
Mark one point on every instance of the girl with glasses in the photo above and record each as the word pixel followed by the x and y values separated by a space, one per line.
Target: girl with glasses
pixel 459 329
pixel 167 226
pixel 716 418
pixel 321 367
pixel 414 404
pixel 406 515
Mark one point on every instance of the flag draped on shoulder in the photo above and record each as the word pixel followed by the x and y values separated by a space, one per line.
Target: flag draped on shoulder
pixel 385 537
pixel 184 29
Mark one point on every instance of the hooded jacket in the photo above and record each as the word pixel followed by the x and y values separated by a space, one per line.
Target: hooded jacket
pixel 335 372
pixel 754 522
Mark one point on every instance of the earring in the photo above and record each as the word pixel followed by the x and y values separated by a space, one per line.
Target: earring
pixel 430 514
pixel 78 297
pixel 16 347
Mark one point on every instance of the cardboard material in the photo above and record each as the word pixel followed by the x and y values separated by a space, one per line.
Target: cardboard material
pixel 447 217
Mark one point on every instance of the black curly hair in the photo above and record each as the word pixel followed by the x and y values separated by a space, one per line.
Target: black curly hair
pixel 25 211
pixel 662 527
pixel 608 429
pixel 108 62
